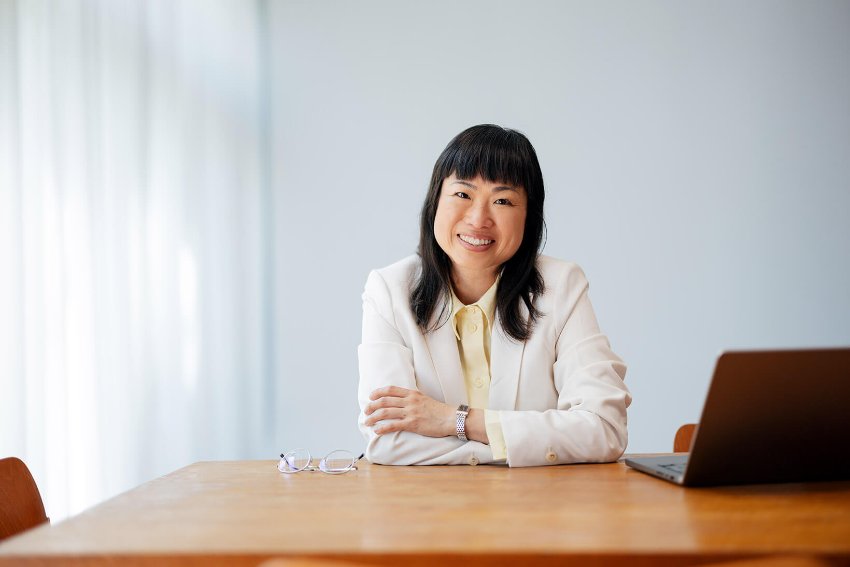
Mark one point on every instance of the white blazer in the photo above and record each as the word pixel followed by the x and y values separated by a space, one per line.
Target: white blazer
pixel 561 392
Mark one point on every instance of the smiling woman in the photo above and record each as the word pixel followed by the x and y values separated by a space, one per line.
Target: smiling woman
pixel 479 228
pixel 479 349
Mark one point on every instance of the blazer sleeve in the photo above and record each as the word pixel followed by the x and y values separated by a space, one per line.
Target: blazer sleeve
pixel 386 359
pixel 589 422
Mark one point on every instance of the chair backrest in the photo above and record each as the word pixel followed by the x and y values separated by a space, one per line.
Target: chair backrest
pixel 684 438
pixel 21 507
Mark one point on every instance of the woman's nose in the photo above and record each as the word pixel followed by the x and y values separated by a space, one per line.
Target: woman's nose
pixel 478 215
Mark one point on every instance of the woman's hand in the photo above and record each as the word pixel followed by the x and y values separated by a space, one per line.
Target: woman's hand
pixel 401 409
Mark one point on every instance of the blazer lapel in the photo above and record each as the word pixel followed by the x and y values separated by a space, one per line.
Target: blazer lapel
pixel 505 364
pixel 442 346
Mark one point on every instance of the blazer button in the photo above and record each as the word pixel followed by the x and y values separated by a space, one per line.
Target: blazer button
pixel 473 460
pixel 551 456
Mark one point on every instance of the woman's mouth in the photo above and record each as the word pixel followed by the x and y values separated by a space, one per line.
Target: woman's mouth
pixel 473 243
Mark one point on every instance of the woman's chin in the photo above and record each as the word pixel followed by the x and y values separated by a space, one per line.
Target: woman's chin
pixel 477 263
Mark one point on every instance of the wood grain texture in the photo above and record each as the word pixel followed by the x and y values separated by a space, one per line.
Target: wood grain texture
pixel 243 513
pixel 21 507
pixel 684 438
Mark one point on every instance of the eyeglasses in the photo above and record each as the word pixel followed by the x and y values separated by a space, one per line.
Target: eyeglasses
pixel 335 462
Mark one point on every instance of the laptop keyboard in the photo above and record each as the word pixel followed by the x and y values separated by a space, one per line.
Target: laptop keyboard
pixel 674 467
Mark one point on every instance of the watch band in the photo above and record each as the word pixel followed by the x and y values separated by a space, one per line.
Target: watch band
pixel 460 421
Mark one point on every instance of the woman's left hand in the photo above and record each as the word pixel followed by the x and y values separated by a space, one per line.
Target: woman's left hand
pixel 401 409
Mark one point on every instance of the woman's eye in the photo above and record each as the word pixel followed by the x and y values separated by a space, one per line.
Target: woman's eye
pixel 503 202
pixel 462 195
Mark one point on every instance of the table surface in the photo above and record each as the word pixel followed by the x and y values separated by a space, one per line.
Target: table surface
pixel 243 512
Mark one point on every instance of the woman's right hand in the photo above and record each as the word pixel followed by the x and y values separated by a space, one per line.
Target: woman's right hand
pixel 394 408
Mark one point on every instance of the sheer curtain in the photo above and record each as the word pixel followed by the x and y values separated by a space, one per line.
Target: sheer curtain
pixel 135 281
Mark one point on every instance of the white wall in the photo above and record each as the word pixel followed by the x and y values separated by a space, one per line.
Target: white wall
pixel 696 155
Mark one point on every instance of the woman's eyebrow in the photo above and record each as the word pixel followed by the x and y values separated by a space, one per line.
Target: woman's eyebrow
pixel 505 188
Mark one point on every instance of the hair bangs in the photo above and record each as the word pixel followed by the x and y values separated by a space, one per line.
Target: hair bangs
pixel 494 154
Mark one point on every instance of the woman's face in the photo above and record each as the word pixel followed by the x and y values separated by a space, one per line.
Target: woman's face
pixel 479 224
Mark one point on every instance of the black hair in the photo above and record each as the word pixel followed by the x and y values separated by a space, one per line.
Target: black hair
pixel 498 155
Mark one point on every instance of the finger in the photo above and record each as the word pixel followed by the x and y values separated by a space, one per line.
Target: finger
pixel 396 391
pixel 387 413
pixel 391 426
pixel 385 402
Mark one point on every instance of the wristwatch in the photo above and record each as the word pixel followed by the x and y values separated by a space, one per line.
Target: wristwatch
pixel 460 421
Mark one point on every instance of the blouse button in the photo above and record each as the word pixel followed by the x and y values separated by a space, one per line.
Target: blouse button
pixel 473 328
pixel 473 460
pixel 551 456
pixel 479 383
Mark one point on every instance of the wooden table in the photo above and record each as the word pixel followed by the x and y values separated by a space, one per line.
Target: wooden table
pixel 241 513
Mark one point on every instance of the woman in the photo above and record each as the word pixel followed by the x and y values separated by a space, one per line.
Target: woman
pixel 479 349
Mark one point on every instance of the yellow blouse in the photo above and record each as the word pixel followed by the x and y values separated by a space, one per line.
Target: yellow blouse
pixel 473 328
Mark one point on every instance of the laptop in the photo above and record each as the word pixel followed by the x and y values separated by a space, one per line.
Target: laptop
pixel 770 416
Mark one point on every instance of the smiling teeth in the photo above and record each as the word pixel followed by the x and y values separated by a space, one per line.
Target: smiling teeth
pixel 474 241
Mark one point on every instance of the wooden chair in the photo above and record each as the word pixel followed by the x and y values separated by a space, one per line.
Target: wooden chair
pixel 21 507
pixel 684 438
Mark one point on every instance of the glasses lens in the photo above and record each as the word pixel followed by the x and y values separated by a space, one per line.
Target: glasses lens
pixel 337 462
pixel 294 461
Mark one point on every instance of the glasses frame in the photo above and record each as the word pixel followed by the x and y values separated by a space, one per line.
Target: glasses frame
pixel 322 466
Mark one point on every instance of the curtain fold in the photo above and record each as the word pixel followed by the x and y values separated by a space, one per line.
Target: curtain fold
pixel 136 290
